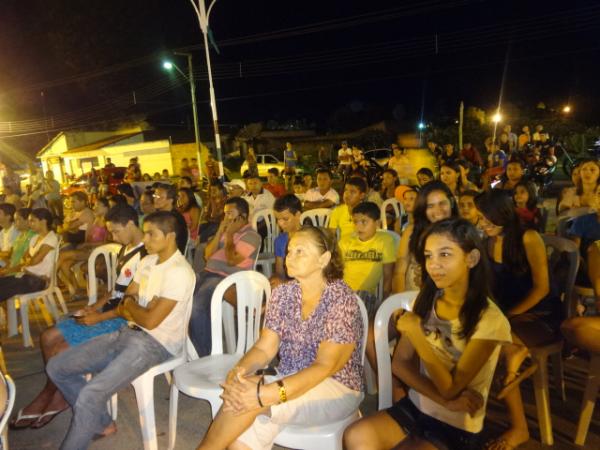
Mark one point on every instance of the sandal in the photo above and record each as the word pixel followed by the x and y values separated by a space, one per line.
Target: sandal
pixel 15 425
pixel 46 418
pixel 520 376
pixel 498 443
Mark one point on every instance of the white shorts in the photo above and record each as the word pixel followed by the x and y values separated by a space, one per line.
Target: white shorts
pixel 327 402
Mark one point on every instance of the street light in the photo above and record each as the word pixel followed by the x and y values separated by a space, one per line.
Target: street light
pixel 496 118
pixel 566 109
pixel 169 65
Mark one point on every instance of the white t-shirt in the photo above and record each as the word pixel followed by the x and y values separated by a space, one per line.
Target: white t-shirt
pixel 45 267
pixel 7 237
pixel 314 195
pixel 174 279
pixel 264 200
pixel 345 156
pixel 443 337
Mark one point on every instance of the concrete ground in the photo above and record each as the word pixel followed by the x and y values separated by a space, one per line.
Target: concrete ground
pixel 26 368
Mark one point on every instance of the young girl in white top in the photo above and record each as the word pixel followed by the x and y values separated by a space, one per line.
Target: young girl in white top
pixel 33 274
pixel 447 353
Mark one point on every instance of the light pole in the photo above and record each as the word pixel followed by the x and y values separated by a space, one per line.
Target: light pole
pixel 190 78
pixel 203 16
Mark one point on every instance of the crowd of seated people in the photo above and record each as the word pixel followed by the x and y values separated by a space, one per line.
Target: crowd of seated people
pixel 474 253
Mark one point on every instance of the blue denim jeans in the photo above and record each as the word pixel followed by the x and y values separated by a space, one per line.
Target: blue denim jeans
pixel 115 360
pixel 200 328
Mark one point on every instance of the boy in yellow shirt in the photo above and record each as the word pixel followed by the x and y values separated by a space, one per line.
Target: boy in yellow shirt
pixel 355 191
pixel 369 255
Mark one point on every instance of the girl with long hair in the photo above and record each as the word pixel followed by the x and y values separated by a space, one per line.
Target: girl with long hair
pixel 448 350
pixel 190 210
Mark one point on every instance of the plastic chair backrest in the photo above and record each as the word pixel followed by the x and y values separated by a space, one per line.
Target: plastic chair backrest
pixel 251 287
pixel 53 272
pixel 365 319
pixel 11 393
pixel 403 300
pixel 562 226
pixel 559 246
pixel 109 252
pixel 397 206
pixel 319 217
pixel 268 216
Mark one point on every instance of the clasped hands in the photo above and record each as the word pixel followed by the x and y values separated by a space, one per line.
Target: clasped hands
pixel 239 392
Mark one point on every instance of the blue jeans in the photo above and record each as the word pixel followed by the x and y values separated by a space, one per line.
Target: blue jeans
pixel 115 360
pixel 200 328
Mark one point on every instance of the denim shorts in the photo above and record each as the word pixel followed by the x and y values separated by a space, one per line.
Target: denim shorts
pixel 436 432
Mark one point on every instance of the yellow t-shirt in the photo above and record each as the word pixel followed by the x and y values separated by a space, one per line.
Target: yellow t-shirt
pixel 342 219
pixel 364 260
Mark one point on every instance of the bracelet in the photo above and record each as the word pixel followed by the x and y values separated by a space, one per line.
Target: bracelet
pixel 260 382
pixel 282 392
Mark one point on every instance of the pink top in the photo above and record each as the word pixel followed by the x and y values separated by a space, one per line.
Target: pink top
pixel 97 233
pixel 187 216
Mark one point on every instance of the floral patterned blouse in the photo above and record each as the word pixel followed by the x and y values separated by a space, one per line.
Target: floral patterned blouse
pixel 336 319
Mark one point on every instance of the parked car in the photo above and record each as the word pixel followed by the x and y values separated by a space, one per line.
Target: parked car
pixel 379 155
pixel 266 162
pixel 113 176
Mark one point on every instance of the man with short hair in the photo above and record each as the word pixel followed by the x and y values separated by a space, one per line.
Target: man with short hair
pixel 288 210
pixel 156 308
pixel 257 197
pixel 323 196
pixel 355 191
pixel 9 232
pixel 233 248
pixel 273 185
pixel 126 190
pixel 165 199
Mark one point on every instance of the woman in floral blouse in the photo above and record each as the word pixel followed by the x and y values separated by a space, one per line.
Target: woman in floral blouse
pixel 313 322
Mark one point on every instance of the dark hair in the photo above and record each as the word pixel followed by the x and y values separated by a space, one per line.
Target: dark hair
pixel 469 193
pixel 394 174
pixel 118 199
pixel 247 175
pixel 273 171
pixel 581 163
pixel 122 214
pixel 498 208
pixel 186 177
pixel 9 210
pixel 420 219
pixel 165 221
pixel 425 171
pixel 240 204
pixel 368 209
pixel 44 214
pixel 456 168
pixel 169 189
pixel 104 201
pixel 192 203
pixel 466 236
pixel 220 186
pixel 23 212
pixel 325 171
pixel 325 239
pixel 298 180
pixel 81 196
pixel 359 182
pixel 126 190
pixel 531 192
pixel 289 202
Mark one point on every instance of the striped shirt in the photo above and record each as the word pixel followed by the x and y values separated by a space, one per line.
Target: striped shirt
pixel 247 243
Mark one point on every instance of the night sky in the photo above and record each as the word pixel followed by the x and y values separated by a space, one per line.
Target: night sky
pixel 284 60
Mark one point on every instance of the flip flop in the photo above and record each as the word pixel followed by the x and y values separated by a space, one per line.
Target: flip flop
pixel 40 422
pixel 517 381
pixel 498 441
pixel 14 424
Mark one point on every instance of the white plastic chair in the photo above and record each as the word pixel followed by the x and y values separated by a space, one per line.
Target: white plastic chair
pixel 47 296
pixel 327 436
pixel 589 399
pixel 266 258
pixel 109 252
pixel 11 393
pixel 403 300
pixel 319 217
pixel 144 388
pixel 202 377
pixel 396 205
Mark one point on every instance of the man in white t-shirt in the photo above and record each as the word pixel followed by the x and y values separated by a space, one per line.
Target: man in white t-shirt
pixel 156 304
pixel 258 198
pixel 345 159
pixel 9 232
pixel 323 196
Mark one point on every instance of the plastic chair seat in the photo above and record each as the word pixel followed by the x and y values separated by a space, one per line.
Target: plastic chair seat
pixel 202 375
pixel 316 437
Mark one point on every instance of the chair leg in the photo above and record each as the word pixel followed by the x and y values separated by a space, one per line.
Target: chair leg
pixel 42 305
pixel 114 405
pixel 24 309
pixel 542 401
pixel 558 373
pixel 589 400
pixel 173 404
pixel 51 305
pixel 61 299
pixel 11 316
pixel 144 393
